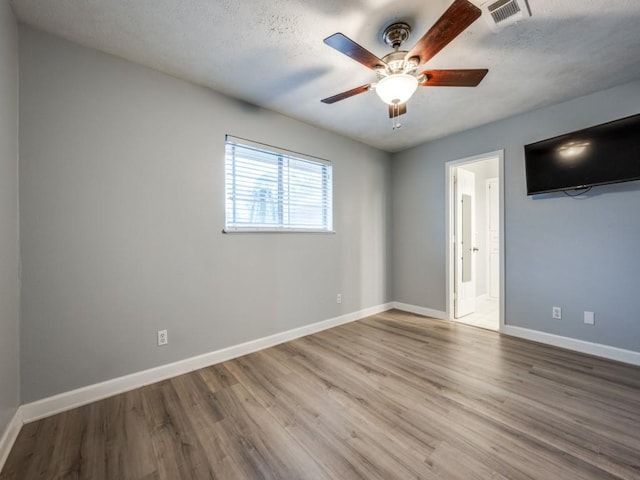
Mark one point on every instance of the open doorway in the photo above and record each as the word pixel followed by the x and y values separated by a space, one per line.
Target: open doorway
pixel 475 244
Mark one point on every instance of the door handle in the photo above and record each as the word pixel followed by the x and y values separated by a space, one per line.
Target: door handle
pixel 475 249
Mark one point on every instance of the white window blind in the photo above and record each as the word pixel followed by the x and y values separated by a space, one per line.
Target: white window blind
pixel 274 190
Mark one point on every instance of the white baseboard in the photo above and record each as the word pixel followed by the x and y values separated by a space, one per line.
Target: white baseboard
pixel 597 349
pixel 9 436
pixel 427 312
pixel 91 393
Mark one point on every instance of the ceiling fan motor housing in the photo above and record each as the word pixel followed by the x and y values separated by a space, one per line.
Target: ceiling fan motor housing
pixel 396 62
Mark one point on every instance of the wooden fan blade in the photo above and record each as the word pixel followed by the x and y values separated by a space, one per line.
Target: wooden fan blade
pixel 351 49
pixel 397 110
pixel 452 23
pixel 453 78
pixel 347 94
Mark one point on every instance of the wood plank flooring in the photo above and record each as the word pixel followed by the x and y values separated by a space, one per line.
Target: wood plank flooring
pixel 394 396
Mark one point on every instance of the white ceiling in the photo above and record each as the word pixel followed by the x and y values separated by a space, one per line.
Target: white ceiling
pixel 271 53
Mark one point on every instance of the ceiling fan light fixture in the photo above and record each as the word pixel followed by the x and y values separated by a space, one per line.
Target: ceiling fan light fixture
pixel 397 88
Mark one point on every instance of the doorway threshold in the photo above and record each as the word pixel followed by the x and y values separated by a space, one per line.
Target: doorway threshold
pixel 486 315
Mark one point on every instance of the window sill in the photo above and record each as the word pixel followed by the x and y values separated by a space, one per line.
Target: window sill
pixel 272 230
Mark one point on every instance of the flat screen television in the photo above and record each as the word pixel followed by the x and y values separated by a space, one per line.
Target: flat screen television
pixel 607 153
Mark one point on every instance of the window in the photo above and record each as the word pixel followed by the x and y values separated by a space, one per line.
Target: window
pixel 275 190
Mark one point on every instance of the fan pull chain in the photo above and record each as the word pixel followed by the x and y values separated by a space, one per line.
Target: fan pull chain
pixel 395 114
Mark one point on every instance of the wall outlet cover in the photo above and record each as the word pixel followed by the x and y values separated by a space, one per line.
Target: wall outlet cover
pixel 589 318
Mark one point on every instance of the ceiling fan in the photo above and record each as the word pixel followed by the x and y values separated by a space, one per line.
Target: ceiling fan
pixel 397 72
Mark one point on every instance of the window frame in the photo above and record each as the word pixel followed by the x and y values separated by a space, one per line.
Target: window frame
pixel 279 155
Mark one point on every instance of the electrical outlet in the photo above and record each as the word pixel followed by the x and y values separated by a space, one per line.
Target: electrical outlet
pixel 163 337
pixel 557 313
pixel 589 318
pixel 339 298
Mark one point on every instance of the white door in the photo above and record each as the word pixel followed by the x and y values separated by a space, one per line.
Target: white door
pixel 493 240
pixel 465 257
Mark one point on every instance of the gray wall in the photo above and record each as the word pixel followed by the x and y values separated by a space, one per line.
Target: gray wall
pixel 579 254
pixel 122 207
pixel 9 255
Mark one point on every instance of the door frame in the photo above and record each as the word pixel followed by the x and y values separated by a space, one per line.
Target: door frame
pixel 488 208
pixel 450 225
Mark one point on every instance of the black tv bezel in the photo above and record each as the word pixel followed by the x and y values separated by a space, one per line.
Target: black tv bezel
pixel 569 135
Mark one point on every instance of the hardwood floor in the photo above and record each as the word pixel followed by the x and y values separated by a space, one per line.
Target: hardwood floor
pixel 394 396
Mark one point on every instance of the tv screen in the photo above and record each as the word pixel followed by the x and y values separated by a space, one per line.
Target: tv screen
pixel 607 153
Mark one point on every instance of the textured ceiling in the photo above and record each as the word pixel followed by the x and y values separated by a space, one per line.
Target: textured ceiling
pixel 271 54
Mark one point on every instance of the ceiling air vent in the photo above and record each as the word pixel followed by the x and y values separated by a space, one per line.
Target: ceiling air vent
pixel 500 13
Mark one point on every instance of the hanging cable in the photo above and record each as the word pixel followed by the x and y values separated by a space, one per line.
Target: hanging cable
pixel 582 192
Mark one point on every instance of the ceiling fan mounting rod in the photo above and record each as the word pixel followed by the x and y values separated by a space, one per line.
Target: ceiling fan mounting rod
pixel 396 34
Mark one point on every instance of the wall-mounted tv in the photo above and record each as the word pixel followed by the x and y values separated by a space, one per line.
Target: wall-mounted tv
pixel 607 153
